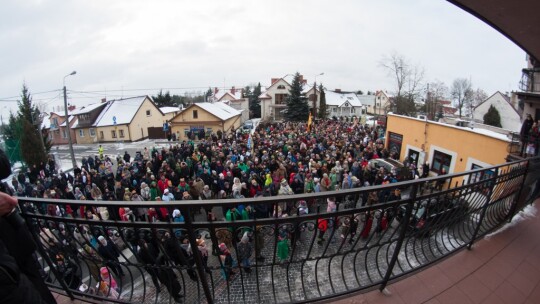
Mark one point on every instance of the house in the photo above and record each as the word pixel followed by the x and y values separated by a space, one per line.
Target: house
pixel 274 99
pixel 510 118
pixel 85 132
pixel 205 116
pixel 343 104
pixel 368 102
pixel 57 127
pixel 453 148
pixel 382 105
pixel 233 98
pixel 127 119
pixel 447 109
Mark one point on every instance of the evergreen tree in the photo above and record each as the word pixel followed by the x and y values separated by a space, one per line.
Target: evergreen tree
pixel 163 100
pixel 255 103
pixel 492 117
pixel 31 145
pixel 323 109
pixel 297 105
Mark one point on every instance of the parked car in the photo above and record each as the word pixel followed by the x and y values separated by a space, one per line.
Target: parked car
pixel 434 213
pixel 392 166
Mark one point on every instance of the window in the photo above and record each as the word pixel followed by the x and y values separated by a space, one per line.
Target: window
pixel 101 135
pixel 64 133
pixel 195 114
pixel 121 133
pixel 54 123
pixel 480 176
pixel 113 133
pixel 352 110
pixel 440 161
pixel 281 87
pixel 413 157
pixel 281 98
pixel 92 132
pixel 334 110
pixel 81 133
pixel 394 143
pixel 148 113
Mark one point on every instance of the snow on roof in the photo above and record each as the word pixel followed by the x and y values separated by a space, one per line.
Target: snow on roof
pixel 338 99
pixel 237 94
pixel 264 96
pixel 481 131
pixel 367 100
pixel 219 109
pixel 70 119
pixel 46 121
pixel 167 110
pixel 120 111
pixel 88 108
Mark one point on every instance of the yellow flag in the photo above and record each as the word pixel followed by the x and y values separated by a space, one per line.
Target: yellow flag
pixel 309 123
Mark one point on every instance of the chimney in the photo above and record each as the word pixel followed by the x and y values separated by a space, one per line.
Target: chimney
pixel 71 108
pixel 274 80
pixel 337 90
pixel 103 100
pixel 233 90
pixel 216 90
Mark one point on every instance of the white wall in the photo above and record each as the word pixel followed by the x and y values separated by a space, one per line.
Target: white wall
pixel 510 119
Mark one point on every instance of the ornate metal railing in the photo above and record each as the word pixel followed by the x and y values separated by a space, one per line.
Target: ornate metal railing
pixel 372 238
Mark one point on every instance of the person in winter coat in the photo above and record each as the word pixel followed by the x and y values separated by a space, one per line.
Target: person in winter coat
pixel 145 191
pixel 283 247
pixel 148 255
pixel 245 250
pixel 227 261
pixel 110 253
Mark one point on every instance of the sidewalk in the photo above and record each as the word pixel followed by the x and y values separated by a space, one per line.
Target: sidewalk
pixel 502 268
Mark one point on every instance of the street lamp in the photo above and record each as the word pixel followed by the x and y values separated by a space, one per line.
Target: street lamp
pixel 74 163
pixel 314 114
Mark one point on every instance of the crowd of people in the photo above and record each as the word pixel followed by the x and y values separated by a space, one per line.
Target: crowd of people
pixel 277 159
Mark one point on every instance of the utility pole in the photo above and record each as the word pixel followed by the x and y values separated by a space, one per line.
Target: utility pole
pixel 314 114
pixel 73 161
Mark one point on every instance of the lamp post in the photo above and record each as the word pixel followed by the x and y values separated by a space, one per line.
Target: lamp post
pixel 314 114
pixel 74 163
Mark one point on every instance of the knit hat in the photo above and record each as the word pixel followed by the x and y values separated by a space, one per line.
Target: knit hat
pixel 166 191
pixel 101 238
pixel 176 213
pixel 222 247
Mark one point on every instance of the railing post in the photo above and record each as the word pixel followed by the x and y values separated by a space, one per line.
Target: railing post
pixel 404 225
pixel 197 255
pixel 484 208
pixel 516 201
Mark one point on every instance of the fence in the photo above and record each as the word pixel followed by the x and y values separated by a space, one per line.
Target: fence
pixel 374 236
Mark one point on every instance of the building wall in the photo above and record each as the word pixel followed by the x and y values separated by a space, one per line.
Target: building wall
pixel 272 91
pixel 510 119
pixel 87 138
pixel 465 146
pixel 138 128
pixel 183 122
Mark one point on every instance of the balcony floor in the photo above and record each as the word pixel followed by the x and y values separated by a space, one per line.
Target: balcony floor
pixel 502 268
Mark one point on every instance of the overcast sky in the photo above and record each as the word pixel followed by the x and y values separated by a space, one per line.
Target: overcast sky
pixel 127 48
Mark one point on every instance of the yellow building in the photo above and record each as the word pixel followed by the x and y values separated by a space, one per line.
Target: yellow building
pixel 120 120
pixel 206 116
pixel 456 149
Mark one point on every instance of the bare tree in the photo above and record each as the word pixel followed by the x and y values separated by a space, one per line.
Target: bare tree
pixel 437 91
pixel 478 96
pixel 462 93
pixel 408 79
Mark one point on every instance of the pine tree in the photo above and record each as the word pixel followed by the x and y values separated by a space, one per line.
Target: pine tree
pixel 255 102
pixel 322 106
pixel 31 145
pixel 492 117
pixel 297 106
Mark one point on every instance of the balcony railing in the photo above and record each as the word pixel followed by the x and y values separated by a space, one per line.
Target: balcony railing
pixel 375 235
